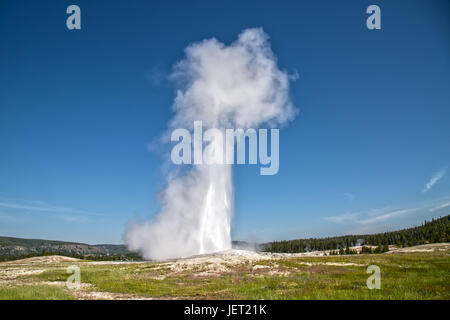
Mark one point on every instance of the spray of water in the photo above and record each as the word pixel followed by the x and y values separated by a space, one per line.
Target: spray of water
pixel 235 86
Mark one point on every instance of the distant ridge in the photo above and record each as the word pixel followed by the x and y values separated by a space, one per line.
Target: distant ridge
pixel 18 248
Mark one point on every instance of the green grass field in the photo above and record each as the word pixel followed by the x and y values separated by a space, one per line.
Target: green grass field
pixel 403 276
pixel 34 292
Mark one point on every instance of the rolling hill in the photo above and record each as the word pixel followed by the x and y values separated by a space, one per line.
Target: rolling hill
pixel 14 248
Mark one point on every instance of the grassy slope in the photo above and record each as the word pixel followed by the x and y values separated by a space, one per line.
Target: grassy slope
pixel 403 276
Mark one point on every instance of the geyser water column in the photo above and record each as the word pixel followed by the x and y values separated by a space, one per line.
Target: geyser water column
pixel 215 220
pixel 235 86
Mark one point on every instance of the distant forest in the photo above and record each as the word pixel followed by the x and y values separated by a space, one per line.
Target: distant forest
pixel 436 230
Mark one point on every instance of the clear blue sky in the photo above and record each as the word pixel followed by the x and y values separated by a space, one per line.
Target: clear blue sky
pixel 79 108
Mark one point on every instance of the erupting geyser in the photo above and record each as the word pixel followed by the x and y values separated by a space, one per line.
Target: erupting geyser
pixel 235 86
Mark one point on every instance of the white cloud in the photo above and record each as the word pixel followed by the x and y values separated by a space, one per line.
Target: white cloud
pixel 342 217
pixel 387 216
pixel 437 176
pixel 67 214
pixel 439 207
pixel 372 217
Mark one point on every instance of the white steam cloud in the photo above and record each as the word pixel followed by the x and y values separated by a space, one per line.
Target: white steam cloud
pixel 235 86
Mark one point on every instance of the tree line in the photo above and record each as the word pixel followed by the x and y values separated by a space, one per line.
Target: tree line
pixel 436 230
pixel 131 256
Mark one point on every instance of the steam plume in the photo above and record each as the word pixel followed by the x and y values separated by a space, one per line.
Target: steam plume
pixel 235 86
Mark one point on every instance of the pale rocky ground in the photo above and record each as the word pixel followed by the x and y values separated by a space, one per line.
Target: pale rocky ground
pixel 422 248
pixel 15 272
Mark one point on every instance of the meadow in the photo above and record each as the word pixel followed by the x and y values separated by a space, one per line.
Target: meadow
pixel 408 275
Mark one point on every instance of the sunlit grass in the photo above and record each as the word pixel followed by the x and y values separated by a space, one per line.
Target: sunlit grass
pixel 34 292
pixel 403 276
